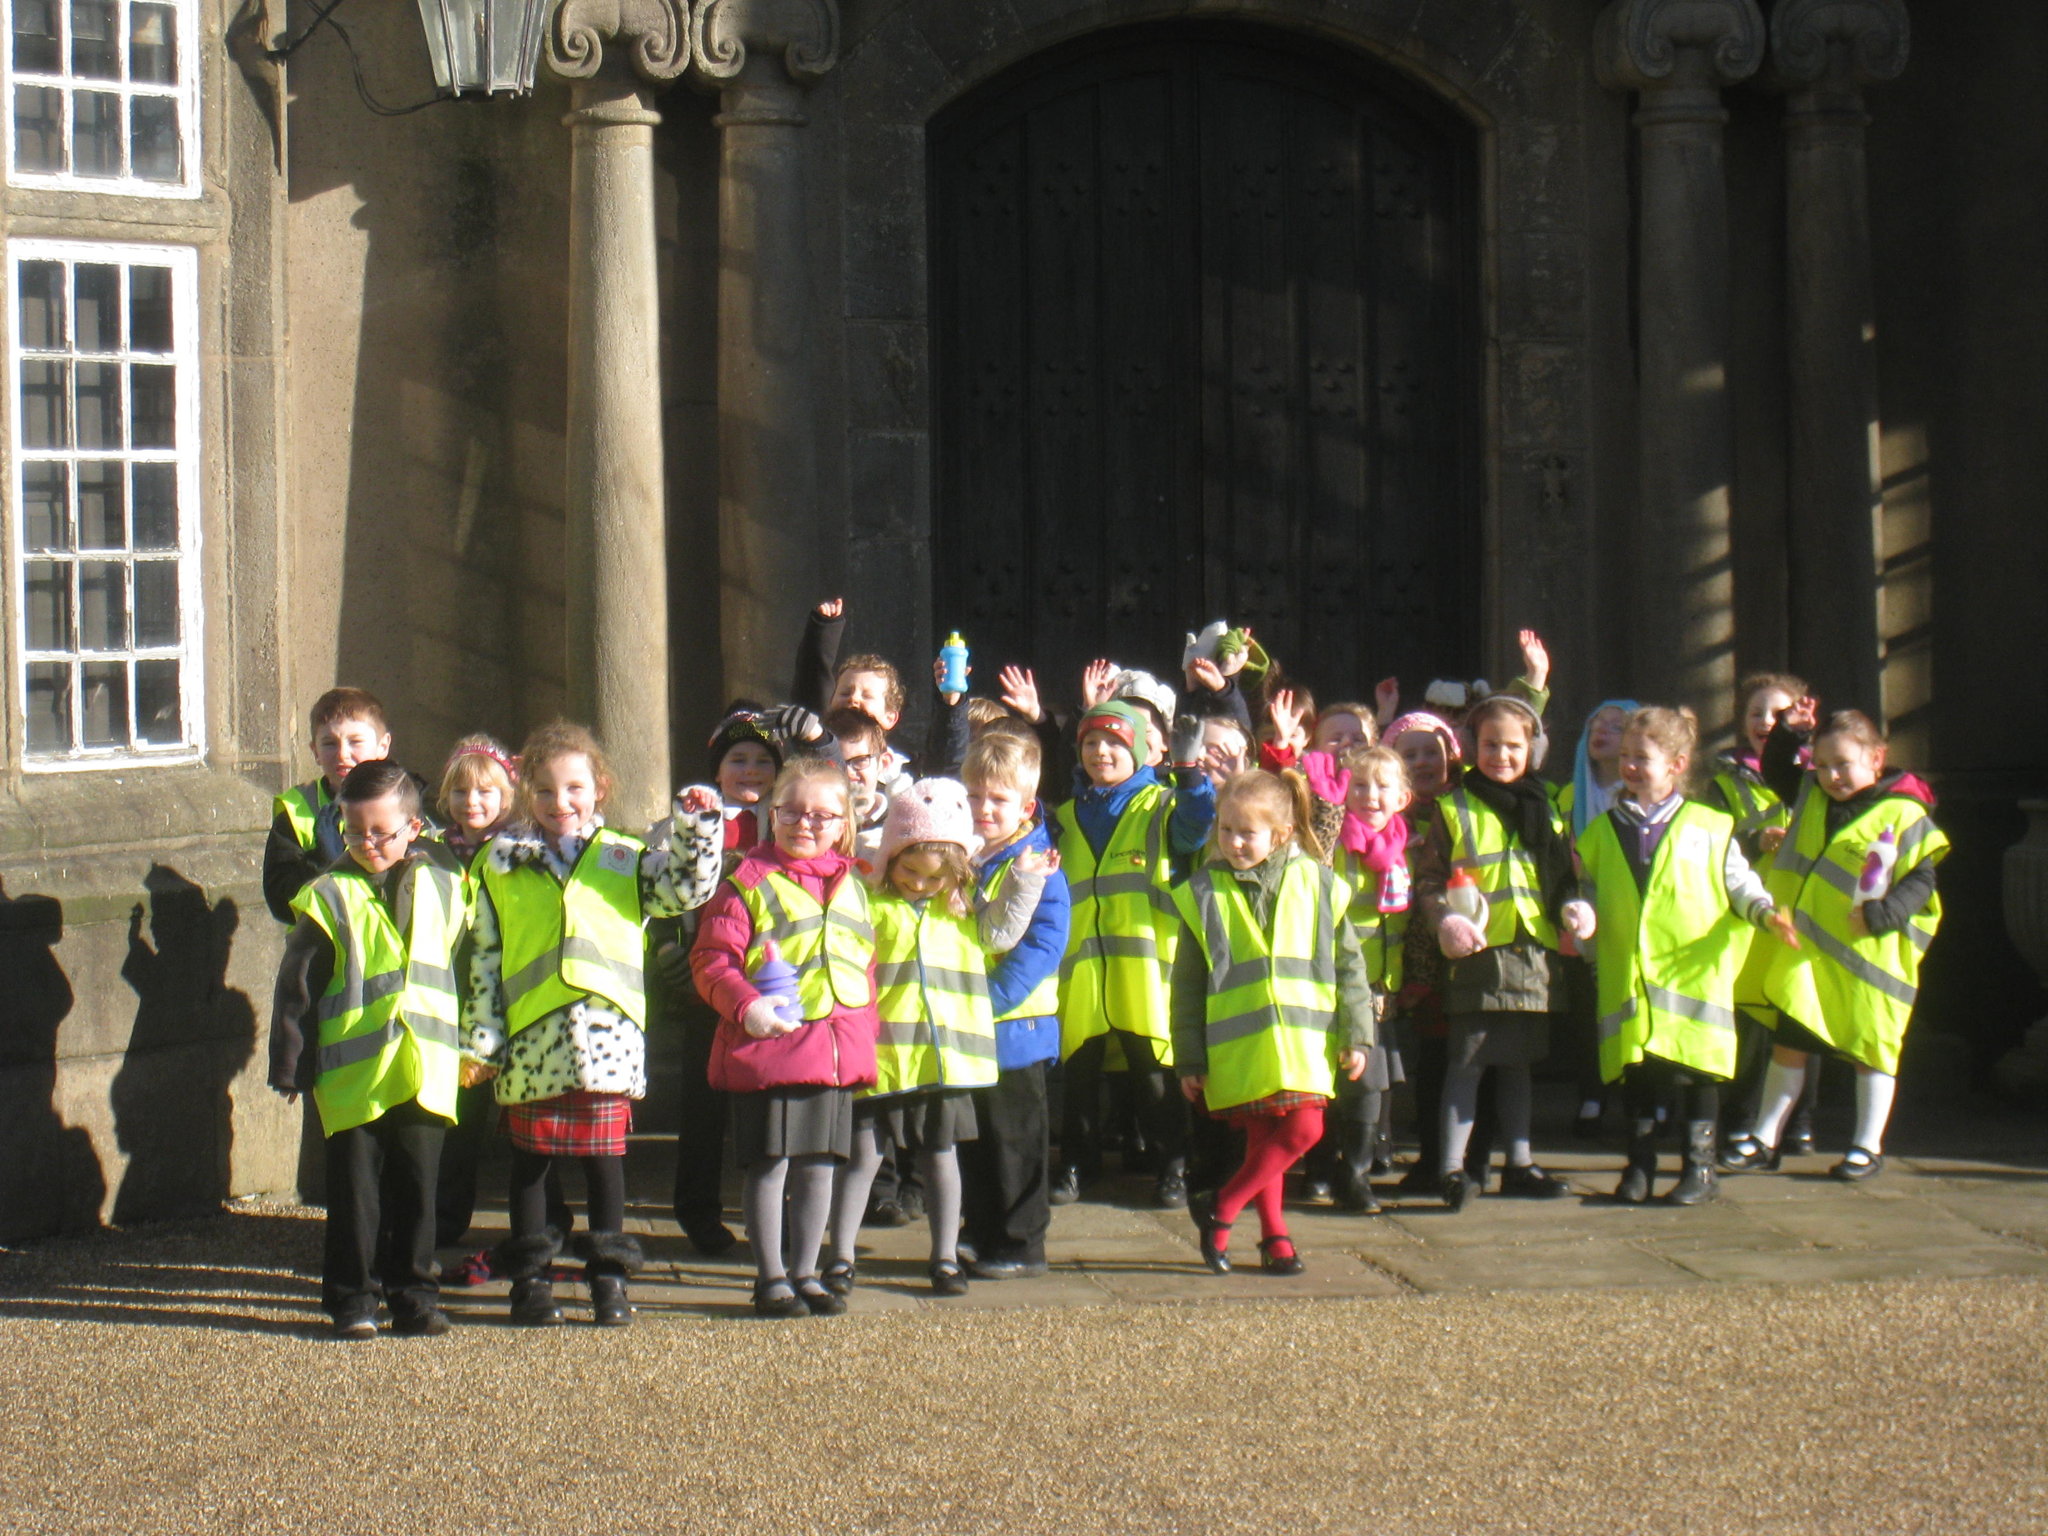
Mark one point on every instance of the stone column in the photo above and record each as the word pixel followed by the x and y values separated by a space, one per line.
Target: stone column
pixel 1677 55
pixel 1824 52
pixel 614 52
pixel 763 55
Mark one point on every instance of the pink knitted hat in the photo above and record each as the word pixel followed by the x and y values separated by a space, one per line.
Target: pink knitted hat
pixel 930 811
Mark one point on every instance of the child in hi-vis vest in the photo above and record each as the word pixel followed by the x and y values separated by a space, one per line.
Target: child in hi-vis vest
pixel 365 1020
pixel 1856 869
pixel 1270 998
pixel 1669 896
pixel 558 996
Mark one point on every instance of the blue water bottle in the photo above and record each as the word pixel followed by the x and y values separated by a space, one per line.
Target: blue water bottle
pixel 954 656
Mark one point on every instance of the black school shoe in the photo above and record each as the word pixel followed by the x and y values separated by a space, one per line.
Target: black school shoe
pixel 1066 1186
pixel 819 1300
pixel 778 1298
pixel 355 1326
pixel 1274 1262
pixel 1528 1182
pixel 839 1277
pixel 886 1213
pixel 948 1278
pixel 1354 1194
pixel 1007 1269
pixel 1459 1189
pixel 1171 1192
pixel 1859 1163
pixel 425 1323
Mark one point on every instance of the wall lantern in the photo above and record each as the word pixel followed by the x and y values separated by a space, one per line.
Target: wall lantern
pixel 484 45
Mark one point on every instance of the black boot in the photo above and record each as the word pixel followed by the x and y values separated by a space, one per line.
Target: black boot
pixel 524 1261
pixel 1698 1182
pixel 1634 1187
pixel 612 1257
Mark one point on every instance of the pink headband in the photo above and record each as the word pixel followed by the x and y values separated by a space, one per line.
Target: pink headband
pixel 495 756
pixel 1423 720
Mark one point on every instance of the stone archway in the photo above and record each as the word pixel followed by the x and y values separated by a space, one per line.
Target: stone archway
pixel 1539 119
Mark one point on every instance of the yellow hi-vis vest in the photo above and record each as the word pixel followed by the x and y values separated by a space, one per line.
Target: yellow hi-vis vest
pixel 1380 934
pixel 931 990
pixel 388 1019
pixel 1666 954
pixel 1856 994
pixel 1753 803
pixel 1044 1000
pixel 301 806
pixel 565 940
pixel 1120 946
pixel 828 946
pixel 1503 869
pixel 1271 1011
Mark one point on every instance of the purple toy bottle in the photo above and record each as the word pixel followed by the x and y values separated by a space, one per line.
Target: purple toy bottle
pixel 775 979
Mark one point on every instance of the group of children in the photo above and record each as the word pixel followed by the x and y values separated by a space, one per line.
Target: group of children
pixel 1246 921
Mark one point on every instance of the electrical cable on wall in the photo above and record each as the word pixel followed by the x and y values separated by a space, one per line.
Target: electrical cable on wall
pixel 326 15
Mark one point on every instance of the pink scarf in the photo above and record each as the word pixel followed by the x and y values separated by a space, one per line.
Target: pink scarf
pixel 1379 851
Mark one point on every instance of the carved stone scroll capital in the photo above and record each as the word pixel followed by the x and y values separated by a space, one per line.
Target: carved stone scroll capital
pixel 1845 44
pixel 654 33
pixel 805 32
pixel 1641 45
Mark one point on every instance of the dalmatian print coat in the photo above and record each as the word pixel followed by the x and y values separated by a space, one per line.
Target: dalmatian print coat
pixel 588 1045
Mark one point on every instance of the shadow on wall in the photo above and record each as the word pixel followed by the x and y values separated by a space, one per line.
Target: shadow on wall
pixel 50 1177
pixel 172 1097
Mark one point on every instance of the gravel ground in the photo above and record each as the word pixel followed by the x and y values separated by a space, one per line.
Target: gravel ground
pixel 1903 1406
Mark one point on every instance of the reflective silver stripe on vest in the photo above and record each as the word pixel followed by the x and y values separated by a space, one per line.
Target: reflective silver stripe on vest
pixel 785 925
pixel 540 968
pixel 1690 1007
pixel 1610 1023
pixel 1914 836
pixel 440 978
pixel 1113 946
pixel 1843 880
pixel 1856 965
pixel 1256 1021
pixel 1227 973
pixel 959 983
pixel 895 973
pixel 1921 937
pixel 360 991
pixel 366 1047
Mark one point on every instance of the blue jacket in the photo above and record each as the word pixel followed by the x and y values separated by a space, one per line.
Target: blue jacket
pixel 1097 811
pixel 1014 976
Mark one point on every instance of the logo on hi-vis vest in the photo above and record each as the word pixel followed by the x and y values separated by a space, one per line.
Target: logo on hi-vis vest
pixel 617 857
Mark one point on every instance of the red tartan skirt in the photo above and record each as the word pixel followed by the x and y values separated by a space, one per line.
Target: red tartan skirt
pixel 1280 1103
pixel 577 1124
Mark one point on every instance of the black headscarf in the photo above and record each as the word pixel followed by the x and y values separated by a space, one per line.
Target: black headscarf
pixel 1524 807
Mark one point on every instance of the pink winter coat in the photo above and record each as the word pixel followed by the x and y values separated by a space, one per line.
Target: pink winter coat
pixel 837 1051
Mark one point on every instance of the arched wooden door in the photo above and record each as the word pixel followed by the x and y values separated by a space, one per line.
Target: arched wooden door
pixel 1205 347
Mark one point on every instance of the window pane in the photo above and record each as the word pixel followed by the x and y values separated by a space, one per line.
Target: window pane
pixel 35 37
pixel 156 604
pixel 97 289
pixel 105 713
pixel 152 45
pixel 38 128
pixel 42 306
pixel 95 134
pixel 94 37
pixel 49 706
pixel 98 394
pixel 156 506
pixel 159 712
pixel 153 147
pixel 45 517
pixel 156 404
pixel 101 524
pixel 45 404
pixel 46 604
pixel 149 309
pixel 102 605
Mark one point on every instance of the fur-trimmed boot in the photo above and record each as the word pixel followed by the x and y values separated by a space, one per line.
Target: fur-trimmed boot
pixel 524 1261
pixel 1698 1182
pixel 1634 1187
pixel 609 1258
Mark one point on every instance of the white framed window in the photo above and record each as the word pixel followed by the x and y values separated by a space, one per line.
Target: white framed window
pixel 102 96
pixel 103 493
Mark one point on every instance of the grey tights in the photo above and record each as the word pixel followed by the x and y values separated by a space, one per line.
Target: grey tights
pixel 804 1186
pixel 1511 1106
pixel 941 1174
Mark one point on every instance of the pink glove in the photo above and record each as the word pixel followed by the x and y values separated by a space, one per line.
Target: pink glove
pixel 1459 936
pixel 1580 920
pixel 762 1018
pixel 1329 783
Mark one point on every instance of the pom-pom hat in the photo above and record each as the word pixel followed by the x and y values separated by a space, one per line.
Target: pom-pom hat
pixel 1126 722
pixel 930 811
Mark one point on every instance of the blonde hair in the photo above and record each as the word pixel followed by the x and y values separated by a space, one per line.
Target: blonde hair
pixel 1283 798
pixel 955 873
pixel 476 758
pixel 983 713
pixel 1009 759
pixel 803 770
pixel 550 743
pixel 1675 731
pixel 1377 761
pixel 1363 713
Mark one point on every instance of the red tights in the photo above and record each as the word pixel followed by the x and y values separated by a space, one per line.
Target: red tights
pixel 1272 1145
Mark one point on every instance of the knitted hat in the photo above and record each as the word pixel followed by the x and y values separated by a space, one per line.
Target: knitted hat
pixel 743 723
pixel 930 811
pixel 1144 688
pixel 1126 722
